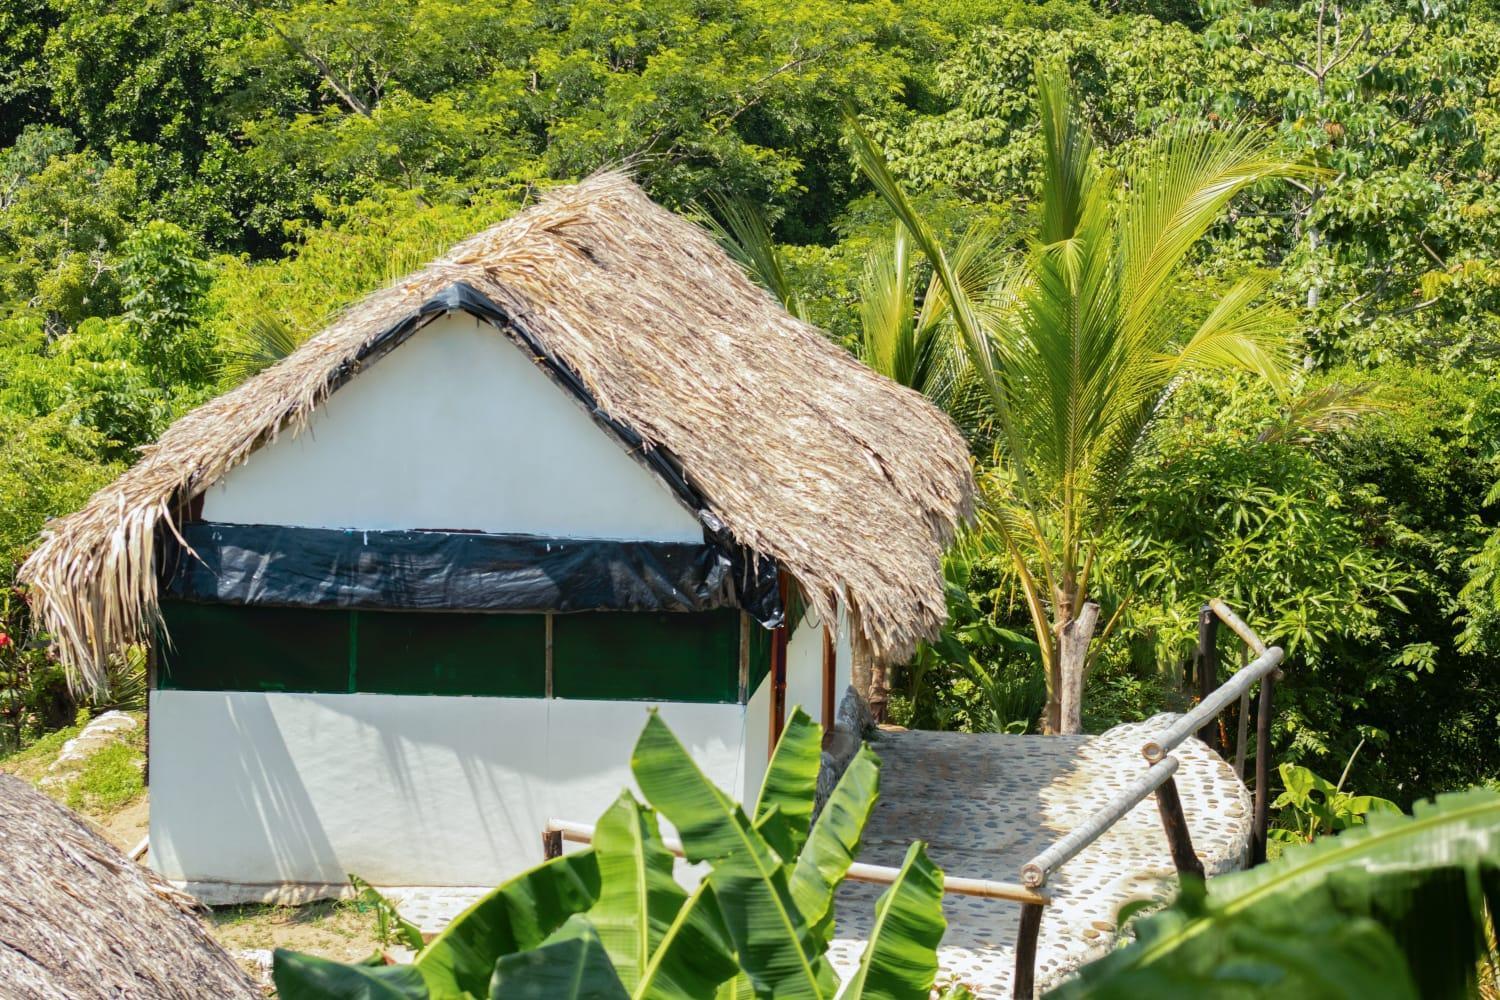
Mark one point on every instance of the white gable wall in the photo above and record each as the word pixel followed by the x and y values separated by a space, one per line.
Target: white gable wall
pixel 455 429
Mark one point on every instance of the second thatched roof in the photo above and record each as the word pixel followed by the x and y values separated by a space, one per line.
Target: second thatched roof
pixel 853 484
pixel 81 921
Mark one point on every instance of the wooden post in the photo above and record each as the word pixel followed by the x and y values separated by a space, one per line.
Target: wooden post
pixel 1206 666
pixel 744 687
pixel 1174 821
pixel 779 640
pixel 1262 769
pixel 1026 939
pixel 547 651
pixel 551 844
pixel 830 672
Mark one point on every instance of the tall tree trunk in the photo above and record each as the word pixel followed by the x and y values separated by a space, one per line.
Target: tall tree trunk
pixel 1072 656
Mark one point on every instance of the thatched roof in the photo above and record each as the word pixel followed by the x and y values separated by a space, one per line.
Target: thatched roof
pixel 853 484
pixel 79 920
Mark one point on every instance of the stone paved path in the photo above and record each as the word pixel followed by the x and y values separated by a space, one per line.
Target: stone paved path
pixel 986 804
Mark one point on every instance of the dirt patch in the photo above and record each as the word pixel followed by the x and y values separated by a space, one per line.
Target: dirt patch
pixel 337 929
pixel 126 826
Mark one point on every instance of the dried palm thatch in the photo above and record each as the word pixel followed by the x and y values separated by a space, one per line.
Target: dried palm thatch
pixel 851 483
pixel 79 920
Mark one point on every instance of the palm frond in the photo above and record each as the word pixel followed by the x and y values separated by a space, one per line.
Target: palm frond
pixel 742 230
pixel 1326 409
pixel 1239 332
pixel 264 339
pixel 1176 188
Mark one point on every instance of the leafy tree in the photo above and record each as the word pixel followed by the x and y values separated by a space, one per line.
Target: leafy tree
pixel 1096 337
pixel 163 278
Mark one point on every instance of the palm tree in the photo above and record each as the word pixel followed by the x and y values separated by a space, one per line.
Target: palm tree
pixel 1078 345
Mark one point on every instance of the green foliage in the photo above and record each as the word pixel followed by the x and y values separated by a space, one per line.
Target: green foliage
pixel 1394 908
pixel 612 922
pixel 1316 807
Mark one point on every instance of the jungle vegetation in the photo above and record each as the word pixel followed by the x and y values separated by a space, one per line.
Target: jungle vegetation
pixel 188 188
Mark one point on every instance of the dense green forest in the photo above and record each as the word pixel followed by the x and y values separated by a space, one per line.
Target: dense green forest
pixel 188 188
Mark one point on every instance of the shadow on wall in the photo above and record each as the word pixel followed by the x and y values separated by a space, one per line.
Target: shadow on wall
pixel 402 790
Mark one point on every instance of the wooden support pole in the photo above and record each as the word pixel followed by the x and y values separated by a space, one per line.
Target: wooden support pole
pixel 1174 821
pixel 1206 666
pixel 830 671
pixel 1026 941
pixel 552 841
pixel 1262 769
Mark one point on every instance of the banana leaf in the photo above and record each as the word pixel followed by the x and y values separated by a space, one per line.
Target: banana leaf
pixel 695 957
pixel 900 960
pixel 307 977
pixel 1401 893
pixel 570 965
pixel 517 916
pixel 834 842
pixel 663 944
pixel 638 896
pixel 775 945
pixel 790 787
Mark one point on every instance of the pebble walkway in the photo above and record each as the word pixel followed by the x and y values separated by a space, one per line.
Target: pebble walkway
pixel 986 804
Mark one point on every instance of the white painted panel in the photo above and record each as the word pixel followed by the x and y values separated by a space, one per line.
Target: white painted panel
pixel 400 790
pixel 455 429
pixel 804 667
pixel 757 740
pixel 843 653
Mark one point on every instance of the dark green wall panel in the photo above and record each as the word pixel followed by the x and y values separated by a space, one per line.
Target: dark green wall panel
pixel 220 647
pixel 635 656
pixel 597 655
pixel 403 652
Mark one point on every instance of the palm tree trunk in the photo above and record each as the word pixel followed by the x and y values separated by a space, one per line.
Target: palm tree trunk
pixel 1072 657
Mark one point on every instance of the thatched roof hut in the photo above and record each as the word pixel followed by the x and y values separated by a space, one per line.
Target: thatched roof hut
pixel 79 920
pixel 795 450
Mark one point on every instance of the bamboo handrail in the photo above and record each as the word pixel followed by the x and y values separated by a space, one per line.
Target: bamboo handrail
pixel 583 833
pixel 1157 749
pixel 1034 872
pixel 1238 625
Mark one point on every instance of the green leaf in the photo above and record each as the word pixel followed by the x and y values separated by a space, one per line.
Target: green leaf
pixel 694 958
pixel 307 977
pixel 517 916
pixel 791 781
pixel 773 941
pixel 638 896
pixel 570 965
pixel 389 922
pixel 900 960
pixel 834 842
pixel 1422 882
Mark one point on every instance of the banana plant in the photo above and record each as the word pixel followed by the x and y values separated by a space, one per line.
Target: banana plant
pixel 1396 908
pixel 611 922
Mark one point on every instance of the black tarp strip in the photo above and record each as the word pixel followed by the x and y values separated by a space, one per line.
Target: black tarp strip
pixel 275 565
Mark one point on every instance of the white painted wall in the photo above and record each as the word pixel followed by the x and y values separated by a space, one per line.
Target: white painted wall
pixel 400 790
pixel 757 740
pixel 843 659
pixel 804 667
pixel 457 428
